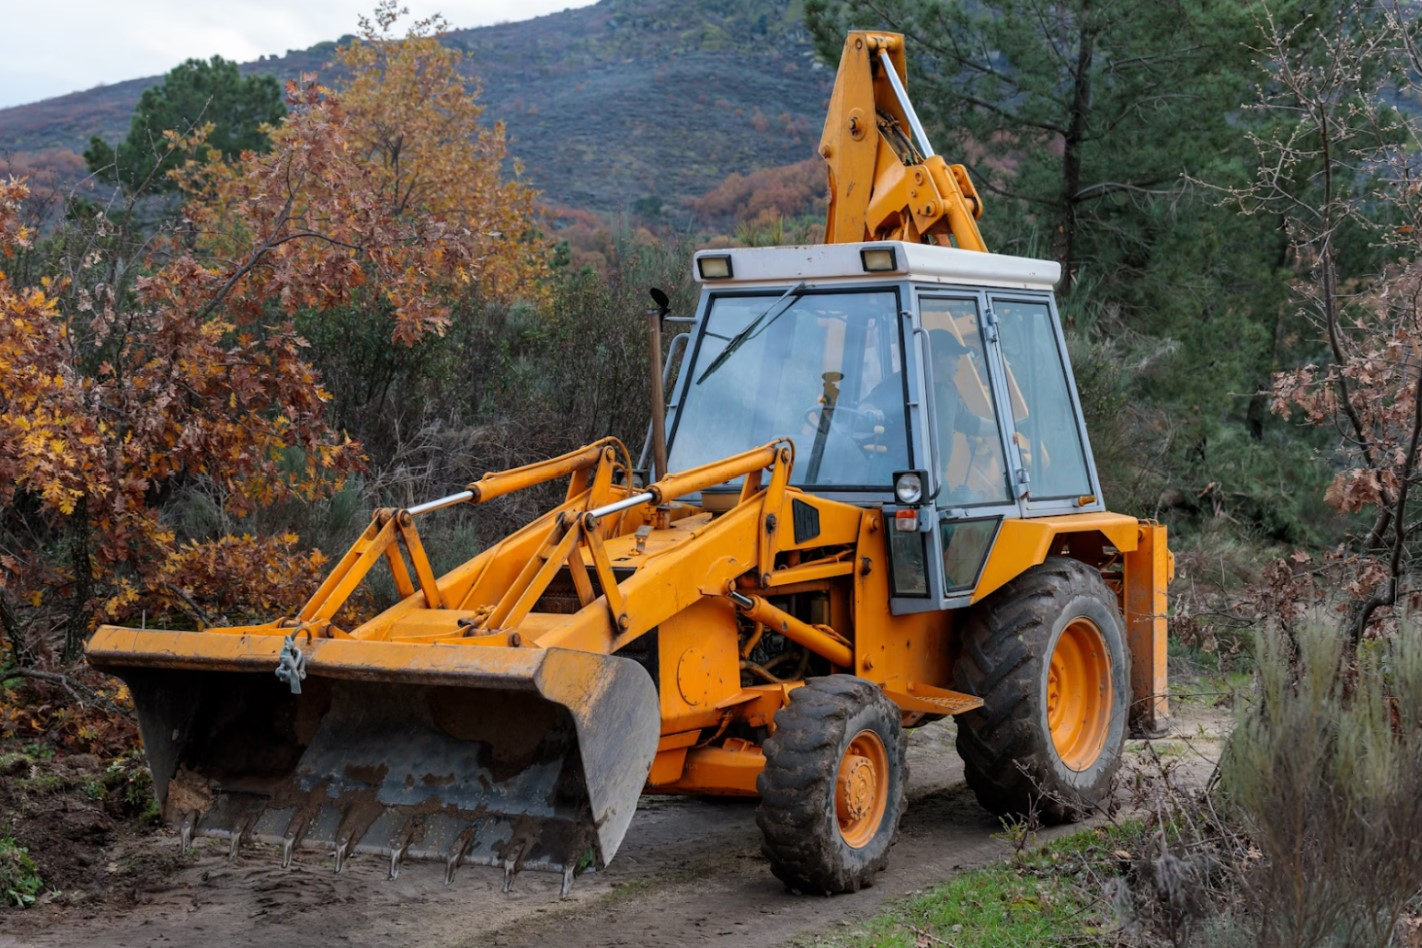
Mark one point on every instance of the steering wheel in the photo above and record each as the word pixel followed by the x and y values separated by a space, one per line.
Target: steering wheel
pixel 861 424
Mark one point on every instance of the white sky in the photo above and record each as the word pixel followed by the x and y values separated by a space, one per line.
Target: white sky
pixel 50 48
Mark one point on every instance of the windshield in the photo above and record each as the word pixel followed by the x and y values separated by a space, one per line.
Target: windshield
pixel 823 369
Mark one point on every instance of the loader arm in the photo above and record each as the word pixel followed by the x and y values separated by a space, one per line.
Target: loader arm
pixel 884 184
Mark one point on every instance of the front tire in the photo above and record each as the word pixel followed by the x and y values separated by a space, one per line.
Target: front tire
pixel 833 788
pixel 1047 654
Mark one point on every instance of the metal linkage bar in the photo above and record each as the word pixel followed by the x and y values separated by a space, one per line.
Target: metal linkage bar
pixel 441 503
pixel 902 95
pixel 626 503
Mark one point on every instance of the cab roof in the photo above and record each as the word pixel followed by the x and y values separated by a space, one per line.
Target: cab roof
pixel 843 263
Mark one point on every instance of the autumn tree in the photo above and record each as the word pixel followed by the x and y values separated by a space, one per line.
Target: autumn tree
pixel 191 95
pixel 415 128
pixel 416 123
pixel 1336 164
pixel 128 384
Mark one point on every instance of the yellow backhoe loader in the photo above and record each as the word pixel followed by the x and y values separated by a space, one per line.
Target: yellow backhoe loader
pixel 872 504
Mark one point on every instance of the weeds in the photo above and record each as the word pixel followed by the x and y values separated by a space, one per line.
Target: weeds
pixel 20 882
pixel 1308 834
pixel 128 789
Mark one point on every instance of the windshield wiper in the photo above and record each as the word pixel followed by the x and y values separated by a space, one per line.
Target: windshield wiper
pixel 791 294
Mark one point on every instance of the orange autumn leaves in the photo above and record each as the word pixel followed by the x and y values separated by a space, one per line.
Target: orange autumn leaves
pixel 43 434
pixel 383 193
pixel 386 190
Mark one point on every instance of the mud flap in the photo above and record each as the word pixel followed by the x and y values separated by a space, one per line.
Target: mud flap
pixel 520 758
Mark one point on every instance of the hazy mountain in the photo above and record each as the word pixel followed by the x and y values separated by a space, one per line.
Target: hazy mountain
pixel 604 104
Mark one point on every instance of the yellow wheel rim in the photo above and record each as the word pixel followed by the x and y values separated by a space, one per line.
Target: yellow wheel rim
pixel 1079 694
pixel 861 789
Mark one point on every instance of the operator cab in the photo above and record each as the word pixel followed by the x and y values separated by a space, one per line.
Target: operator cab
pixel 928 381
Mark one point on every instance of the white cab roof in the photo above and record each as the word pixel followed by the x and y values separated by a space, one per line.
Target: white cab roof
pixel 842 263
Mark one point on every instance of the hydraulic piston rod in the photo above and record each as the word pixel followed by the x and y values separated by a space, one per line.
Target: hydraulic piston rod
pixel 821 640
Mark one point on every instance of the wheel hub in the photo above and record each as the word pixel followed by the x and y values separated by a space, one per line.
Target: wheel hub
pixel 861 788
pixel 1079 694
pixel 854 792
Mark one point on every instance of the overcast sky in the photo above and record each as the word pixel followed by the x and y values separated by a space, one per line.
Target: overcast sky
pixel 50 48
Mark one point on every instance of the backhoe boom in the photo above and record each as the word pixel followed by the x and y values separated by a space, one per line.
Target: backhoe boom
pixel 883 184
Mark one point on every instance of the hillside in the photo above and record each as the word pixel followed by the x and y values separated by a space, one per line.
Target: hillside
pixel 603 105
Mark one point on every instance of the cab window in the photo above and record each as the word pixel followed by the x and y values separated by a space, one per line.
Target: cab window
pixel 1047 432
pixel 824 369
pixel 964 409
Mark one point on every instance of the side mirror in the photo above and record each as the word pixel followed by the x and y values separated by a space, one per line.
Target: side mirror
pixel 662 300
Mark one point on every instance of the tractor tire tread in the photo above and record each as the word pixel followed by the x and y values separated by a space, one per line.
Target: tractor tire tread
pixel 1008 757
pixel 796 817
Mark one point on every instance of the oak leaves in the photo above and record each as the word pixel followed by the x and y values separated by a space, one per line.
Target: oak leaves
pixel 165 361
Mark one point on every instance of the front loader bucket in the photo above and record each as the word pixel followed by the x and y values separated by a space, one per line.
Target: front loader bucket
pixel 514 757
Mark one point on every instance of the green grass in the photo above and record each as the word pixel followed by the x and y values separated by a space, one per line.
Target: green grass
pixel 15 762
pixel 1049 895
pixel 42 785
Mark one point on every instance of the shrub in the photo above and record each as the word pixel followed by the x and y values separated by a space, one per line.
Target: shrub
pixel 1323 775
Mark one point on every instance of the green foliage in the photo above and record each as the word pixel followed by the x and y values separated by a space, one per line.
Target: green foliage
pixel 1120 436
pixel 776 231
pixel 649 207
pixel 20 882
pixel 584 361
pixel 191 95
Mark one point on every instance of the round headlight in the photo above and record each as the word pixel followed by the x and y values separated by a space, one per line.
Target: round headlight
pixel 908 488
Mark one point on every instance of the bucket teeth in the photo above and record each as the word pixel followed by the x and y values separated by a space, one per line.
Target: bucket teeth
pixel 342 850
pixel 239 836
pixel 451 866
pixel 355 823
pixel 412 830
pixel 457 851
pixel 295 830
pixel 185 833
pixel 513 862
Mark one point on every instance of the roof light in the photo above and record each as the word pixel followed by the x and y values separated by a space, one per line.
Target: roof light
pixel 716 267
pixel 879 259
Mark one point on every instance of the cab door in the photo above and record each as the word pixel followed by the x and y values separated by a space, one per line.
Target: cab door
pixel 1048 452
pixel 967 466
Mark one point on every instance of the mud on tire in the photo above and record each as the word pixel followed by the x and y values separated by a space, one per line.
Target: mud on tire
pixel 824 829
pixel 1012 758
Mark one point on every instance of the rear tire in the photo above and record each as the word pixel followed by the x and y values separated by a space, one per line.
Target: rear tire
pixel 832 791
pixel 1047 654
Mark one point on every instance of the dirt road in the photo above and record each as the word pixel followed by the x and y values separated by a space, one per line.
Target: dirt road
pixel 689 872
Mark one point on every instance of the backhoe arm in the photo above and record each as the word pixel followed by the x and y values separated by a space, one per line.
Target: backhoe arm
pixel 884 184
